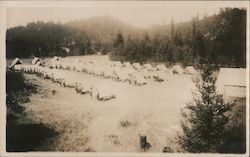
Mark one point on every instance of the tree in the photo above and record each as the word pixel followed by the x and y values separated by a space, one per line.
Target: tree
pixel 206 124
pixel 229 36
pixel 172 27
pixel 119 40
pixel 199 48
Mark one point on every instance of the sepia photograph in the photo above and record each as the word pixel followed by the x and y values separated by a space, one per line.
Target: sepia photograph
pixel 141 77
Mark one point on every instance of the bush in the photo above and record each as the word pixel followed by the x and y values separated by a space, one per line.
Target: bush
pixel 206 124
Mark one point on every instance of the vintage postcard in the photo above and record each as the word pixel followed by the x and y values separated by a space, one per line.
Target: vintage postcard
pixel 124 78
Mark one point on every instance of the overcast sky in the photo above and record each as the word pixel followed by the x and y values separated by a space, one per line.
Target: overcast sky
pixel 139 14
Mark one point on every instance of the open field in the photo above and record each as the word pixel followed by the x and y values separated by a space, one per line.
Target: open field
pixel 145 110
pixel 85 124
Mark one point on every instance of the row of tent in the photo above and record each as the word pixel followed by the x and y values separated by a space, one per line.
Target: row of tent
pixel 177 69
pixel 16 61
pixel 135 73
pixel 100 92
pixel 231 82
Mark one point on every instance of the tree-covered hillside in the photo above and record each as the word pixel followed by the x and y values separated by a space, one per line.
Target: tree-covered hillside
pixel 72 38
pixel 219 39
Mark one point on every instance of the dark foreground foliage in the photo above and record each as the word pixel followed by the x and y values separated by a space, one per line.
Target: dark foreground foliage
pixel 21 133
pixel 210 124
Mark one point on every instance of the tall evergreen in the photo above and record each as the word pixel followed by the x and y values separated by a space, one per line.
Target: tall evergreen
pixel 206 122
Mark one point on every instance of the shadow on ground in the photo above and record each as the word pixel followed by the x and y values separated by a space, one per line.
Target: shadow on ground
pixel 27 135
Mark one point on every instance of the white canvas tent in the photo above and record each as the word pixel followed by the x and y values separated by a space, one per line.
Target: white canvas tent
pixel 231 83
pixel 148 67
pixel 117 64
pixel 177 69
pixel 161 67
pixel 38 63
pixel 15 61
pixel 137 66
pixel 126 64
pixel 35 60
pixel 55 58
pixel 66 49
pixel 190 70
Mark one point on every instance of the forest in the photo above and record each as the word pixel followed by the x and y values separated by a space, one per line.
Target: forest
pixel 218 39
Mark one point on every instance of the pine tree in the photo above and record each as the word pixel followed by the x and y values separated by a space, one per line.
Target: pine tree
pixel 119 40
pixel 172 28
pixel 205 123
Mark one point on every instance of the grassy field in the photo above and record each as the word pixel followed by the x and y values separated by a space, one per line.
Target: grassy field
pixel 22 133
pixel 89 125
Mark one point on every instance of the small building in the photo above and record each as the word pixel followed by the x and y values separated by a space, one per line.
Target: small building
pixel 231 83
pixel 15 62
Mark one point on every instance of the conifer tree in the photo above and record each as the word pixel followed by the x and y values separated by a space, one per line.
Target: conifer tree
pixel 205 121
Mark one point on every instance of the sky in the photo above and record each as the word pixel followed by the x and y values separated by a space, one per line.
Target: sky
pixel 139 14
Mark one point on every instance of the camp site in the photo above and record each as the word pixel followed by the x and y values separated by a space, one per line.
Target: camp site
pixel 100 84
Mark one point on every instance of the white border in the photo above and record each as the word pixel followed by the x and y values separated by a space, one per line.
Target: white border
pixel 75 4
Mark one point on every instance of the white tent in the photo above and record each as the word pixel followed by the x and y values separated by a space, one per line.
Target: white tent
pixel 190 70
pixel 117 64
pixel 66 49
pixel 16 61
pixel 148 67
pixel 126 64
pixel 38 63
pixel 55 58
pixel 35 60
pixel 159 76
pixel 137 66
pixel 177 69
pixel 161 67
pixel 231 83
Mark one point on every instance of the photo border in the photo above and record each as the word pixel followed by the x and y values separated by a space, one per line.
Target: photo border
pixel 100 3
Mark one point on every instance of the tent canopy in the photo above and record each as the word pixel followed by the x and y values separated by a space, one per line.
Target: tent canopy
pixel 137 66
pixel 161 67
pixel 38 63
pixel 35 60
pixel 126 64
pixel 16 61
pixel 55 58
pixel 190 70
pixel 231 82
pixel 148 66
pixel 177 69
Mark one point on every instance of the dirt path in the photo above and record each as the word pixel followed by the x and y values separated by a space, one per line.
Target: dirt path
pixel 115 125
